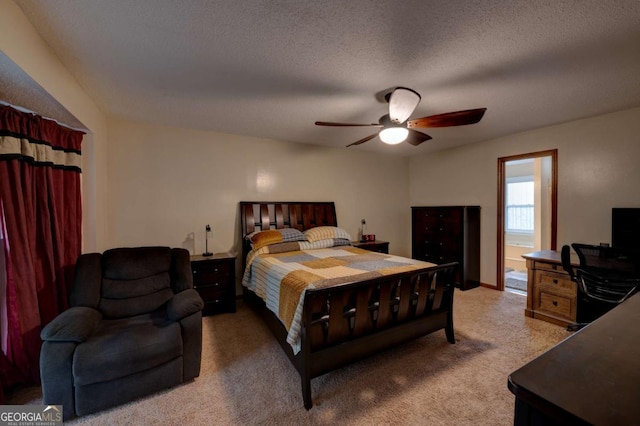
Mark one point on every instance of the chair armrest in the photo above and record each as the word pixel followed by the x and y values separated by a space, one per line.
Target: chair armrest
pixel 565 256
pixel 75 324
pixel 184 304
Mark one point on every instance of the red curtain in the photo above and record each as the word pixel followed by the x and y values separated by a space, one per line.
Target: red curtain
pixel 40 196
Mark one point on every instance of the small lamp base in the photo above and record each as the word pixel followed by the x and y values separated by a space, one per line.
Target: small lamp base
pixel 207 254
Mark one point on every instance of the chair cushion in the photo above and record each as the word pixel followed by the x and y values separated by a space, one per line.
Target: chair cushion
pixel 131 263
pixel 121 299
pixel 123 347
pixel 135 281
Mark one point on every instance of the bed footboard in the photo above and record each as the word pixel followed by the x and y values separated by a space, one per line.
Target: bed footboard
pixel 345 323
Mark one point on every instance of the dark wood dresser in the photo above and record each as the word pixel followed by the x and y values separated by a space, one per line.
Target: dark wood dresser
pixel 214 278
pixel 449 234
pixel 377 246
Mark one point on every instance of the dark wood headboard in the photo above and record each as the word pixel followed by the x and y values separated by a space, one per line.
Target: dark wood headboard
pixel 263 215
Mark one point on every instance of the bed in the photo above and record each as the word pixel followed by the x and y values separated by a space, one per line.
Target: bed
pixel 358 314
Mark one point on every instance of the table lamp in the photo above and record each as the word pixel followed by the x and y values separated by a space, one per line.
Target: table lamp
pixel 206 241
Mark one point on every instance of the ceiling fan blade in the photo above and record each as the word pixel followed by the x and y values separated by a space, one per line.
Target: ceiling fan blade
pixel 415 137
pixel 363 140
pixel 402 102
pixel 448 119
pixel 328 123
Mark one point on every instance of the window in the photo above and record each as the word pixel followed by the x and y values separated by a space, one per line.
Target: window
pixel 519 205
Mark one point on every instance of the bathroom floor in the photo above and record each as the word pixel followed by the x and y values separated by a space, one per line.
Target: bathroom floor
pixel 516 280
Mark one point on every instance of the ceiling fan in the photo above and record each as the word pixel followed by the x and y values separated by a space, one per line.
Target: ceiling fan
pixel 395 126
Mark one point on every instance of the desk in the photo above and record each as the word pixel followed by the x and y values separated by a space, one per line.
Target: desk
pixel 593 377
pixel 551 295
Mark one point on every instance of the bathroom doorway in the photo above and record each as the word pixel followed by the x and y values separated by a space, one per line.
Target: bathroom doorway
pixel 527 213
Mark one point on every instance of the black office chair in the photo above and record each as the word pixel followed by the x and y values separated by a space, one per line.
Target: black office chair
pixel 606 277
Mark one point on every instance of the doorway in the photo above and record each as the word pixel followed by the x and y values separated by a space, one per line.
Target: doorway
pixel 527 213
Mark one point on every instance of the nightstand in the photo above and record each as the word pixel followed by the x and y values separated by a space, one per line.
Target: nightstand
pixel 214 277
pixel 377 245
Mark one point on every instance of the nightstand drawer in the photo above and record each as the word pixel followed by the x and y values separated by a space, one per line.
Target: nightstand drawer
pixel 211 267
pixel 212 293
pixel 221 284
pixel 201 279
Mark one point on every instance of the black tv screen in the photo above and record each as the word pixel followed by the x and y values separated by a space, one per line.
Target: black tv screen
pixel 625 227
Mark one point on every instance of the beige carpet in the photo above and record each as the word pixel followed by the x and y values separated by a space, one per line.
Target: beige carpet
pixel 246 378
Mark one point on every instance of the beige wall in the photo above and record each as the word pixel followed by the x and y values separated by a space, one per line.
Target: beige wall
pixel 24 46
pixel 166 184
pixel 597 170
pixel 513 257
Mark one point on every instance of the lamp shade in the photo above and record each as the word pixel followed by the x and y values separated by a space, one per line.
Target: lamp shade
pixel 402 102
pixel 393 135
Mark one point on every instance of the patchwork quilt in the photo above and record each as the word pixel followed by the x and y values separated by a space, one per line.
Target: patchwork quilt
pixel 280 276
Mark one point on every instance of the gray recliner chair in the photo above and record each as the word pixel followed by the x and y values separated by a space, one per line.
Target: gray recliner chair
pixel 134 328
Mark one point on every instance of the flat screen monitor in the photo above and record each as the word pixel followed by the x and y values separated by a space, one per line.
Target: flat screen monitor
pixel 625 227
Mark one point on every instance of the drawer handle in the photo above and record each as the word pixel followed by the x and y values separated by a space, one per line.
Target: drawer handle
pixel 555 281
pixel 555 303
pixel 216 284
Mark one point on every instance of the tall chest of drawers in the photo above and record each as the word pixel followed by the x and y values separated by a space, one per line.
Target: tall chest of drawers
pixel 449 234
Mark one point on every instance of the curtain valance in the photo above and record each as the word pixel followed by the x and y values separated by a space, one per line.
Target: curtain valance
pixel 38 140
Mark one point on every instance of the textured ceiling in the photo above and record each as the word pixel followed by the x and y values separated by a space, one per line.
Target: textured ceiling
pixel 17 88
pixel 272 68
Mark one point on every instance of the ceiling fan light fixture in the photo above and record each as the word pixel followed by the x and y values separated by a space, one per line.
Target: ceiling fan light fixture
pixel 396 126
pixel 402 102
pixel 393 135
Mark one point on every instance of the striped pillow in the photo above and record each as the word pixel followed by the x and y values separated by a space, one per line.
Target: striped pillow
pixel 275 236
pixel 326 233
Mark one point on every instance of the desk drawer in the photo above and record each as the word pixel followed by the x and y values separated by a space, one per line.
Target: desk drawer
pixel 556 304
pixel 553 267
pixel 556 283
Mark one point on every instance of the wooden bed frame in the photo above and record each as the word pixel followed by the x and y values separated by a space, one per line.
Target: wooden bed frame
pixel 346 323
